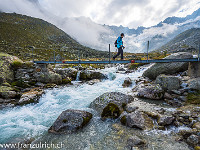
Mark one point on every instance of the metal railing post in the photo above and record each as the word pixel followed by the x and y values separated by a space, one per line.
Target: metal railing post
pixel 199 53
pixel 109 53
pixel 147 51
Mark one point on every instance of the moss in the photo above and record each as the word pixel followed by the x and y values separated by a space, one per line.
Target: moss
pixel 197 148
pixel 111 111
pixel 193 98
pixel 17 64
pixel 87 119
pixel 20 83
pixel 123 120
pixel 66 81
pixel 5 89
pixel 29 64
pixel 50 85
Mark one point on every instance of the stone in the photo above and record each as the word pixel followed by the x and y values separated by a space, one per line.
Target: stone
pixel 137 119
pixel 168 83
pixel 154 92
pixel 194 69
pixel 168 68
pixel 70 121
pixel 130 108
pixel 193 140
pixel 194 84
pixel 127 82
pixel 135 141
pixel 165 120
pixel 197 148
pixel 111 105
pixel 196 125
pixel 89 75
pixel 167 96
pixel 31 96
pixel 66 80
pixel 121 69
pixel 94 81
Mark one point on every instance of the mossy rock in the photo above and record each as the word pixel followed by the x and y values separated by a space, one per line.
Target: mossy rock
pixel 7 92
pixel 6 84
pixel 66 80
pixel 111 111
pixel 20 83
pixel 17 64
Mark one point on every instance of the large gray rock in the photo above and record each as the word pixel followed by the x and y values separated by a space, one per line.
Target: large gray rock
pixel 154 92
pixel 194 69
pixel 90 75
pixel 66 72
pixel 168 68
pixel 165 120
pixel 111 105
pixel 168 83
pixel 70 121
pixel 194 84
pixel 193 140
pixel 135 141
pixel 137 119
pixel 7 92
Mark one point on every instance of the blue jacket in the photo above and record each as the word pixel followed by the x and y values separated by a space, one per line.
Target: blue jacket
pixel 119 42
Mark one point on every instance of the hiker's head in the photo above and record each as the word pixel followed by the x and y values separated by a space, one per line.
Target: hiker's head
pixel 122 35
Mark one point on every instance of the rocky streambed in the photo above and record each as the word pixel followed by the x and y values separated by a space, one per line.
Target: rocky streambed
pixel 119 110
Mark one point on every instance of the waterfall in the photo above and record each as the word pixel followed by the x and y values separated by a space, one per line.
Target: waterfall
pixel 78 76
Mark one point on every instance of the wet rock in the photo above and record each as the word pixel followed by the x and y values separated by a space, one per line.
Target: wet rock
pixel 193 140
pixel 165 120
pixel 196 125
pixel 91 82
pixel 70 121
pixel 197 148
pixel 66 72
pixel 111 105
pixel 168 83
pixel 89 75
pixel 153 115
pixel 31 96
pixel 121 69
pixel 135 141
pixel 151 92
pixel 168 68
pixel 66 80
pixel 127 82
pixel 137 119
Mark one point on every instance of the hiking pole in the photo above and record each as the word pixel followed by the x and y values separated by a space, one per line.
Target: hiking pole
pixel 199 53
pixel 147 51
pixel 109 53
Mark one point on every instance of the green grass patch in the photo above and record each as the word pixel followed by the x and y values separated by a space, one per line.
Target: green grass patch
pixel 193 98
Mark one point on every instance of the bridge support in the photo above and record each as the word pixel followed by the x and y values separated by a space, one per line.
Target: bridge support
pixel 194 69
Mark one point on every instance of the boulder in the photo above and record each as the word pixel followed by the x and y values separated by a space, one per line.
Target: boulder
pixel 193 140
pixel 89 75
pixel 31 96
pixel 135 141
pixel 151 92
pixel 45 74
pixel 168 83
pixel 194 84
pixel 70 121
pixel 137 119
pixel 168 68
pixel 66 72
pixel 165 120
pixel 194 69
pixel 7 92
pixel 127 82
pixel 196 125
pixel 111 105
pixel 66 80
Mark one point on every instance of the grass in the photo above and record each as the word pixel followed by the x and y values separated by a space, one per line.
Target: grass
pixel 193 98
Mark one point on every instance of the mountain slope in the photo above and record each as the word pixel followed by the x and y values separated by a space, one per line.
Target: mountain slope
pixel 19 32
pixel 189 40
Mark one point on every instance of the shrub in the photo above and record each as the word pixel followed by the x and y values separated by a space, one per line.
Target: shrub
pixel 17 64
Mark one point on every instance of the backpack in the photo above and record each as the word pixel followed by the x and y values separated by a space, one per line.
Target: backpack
pixel 115 43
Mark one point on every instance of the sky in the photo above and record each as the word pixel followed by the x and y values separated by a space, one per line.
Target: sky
pixel 129 13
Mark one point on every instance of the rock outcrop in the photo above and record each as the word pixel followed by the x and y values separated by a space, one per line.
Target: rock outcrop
pixel 168 68
pixel 90 75
pixel 111 105
pixel 70 121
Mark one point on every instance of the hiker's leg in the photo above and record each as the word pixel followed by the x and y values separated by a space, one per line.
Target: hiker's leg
pixel 121 53
pixel 117 53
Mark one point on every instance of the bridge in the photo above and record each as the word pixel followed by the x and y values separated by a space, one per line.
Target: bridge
pixel 120 61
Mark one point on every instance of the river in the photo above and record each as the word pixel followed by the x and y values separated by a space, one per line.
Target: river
pixel 33 120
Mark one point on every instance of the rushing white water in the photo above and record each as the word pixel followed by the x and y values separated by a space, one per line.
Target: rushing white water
pixel 33 120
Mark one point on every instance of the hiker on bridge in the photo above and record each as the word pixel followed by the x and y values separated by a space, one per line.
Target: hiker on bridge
pixel 119 45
